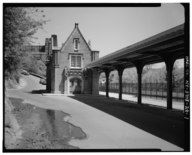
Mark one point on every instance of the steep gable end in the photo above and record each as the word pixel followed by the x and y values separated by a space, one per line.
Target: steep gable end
pixel 75 42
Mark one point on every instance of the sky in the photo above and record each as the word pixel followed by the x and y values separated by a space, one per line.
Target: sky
pixel 110 28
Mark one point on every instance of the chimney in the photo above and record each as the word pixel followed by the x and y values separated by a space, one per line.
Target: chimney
pixel 54 40
pixel 49 46
pixel 76 25
pixel 46 45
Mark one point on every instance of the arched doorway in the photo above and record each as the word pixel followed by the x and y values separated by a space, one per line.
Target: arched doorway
pixel 75 85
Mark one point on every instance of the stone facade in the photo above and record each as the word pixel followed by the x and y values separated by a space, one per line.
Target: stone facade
pixel 66 72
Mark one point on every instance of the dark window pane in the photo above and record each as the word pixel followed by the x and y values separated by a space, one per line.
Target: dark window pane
pixel 72 61
pixel 78 61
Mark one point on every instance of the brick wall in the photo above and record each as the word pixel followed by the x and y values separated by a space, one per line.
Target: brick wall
pixel 58 78
pixel 66 51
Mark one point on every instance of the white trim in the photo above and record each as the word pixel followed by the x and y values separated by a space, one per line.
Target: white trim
pixel 82 61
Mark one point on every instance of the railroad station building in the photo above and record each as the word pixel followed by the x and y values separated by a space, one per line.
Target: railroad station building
pixel 66 72
pixel 75 68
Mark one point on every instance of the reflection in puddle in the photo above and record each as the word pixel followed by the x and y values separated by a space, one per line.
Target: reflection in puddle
pixel 58 128
pixel 44 128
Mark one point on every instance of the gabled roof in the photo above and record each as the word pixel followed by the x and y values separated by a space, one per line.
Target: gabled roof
pixel 75 30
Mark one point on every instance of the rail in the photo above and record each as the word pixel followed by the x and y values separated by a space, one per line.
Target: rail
pixel 157 90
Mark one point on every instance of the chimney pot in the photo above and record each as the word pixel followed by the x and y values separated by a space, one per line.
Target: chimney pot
pixel 76 25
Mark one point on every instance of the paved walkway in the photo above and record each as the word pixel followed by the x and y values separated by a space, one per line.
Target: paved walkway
pixel 103 131
pixel 147 100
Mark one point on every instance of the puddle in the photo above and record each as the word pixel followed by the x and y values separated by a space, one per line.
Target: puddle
pixel 44 128
pixel 58 128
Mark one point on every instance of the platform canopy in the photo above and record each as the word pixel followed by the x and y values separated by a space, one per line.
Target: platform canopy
pixel 149 51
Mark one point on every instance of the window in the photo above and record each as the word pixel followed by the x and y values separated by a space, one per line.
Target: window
pixel 75 61
pixel 76 44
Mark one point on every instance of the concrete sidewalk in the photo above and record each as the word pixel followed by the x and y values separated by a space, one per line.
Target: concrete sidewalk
pixel 103 131
pixel 107 132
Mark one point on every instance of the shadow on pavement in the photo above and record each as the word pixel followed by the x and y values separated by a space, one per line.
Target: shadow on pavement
pixel 40 91
pixel 166 124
